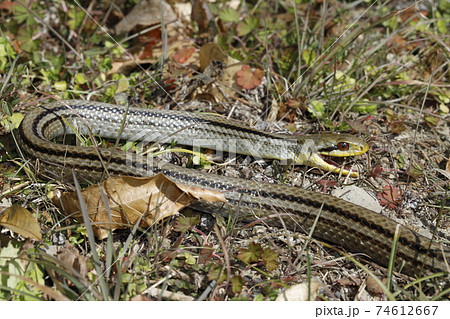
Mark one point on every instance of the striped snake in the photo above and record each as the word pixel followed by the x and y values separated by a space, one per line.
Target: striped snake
pixel 340 222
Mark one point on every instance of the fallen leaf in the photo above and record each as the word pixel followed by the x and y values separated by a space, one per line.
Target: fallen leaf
pixel 134 199
pixel 349 281
pixel 151 39
pixel 211 52
pixel 146 13
pixel 391 197
pixel 326 183
pixel 183 54
pixel 8 5
pixel 122 85
pixel 298 102
pixel 411 13
pixel 201 14
pixel 248 78
pixel 206 254
pixel 21 221
pixel 209 55
pixel 71 257
pixel 396 122
pixel 397 127
pixel 127 66
pixel 11 122
pixel 373 287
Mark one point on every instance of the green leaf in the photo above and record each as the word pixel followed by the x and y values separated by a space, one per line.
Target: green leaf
pixel 80 78
pixel 185 223
pixel 217 273
pixel 122 85
pixel 236 284
pixel 4 56
pixel 12 122
pixel 259 297
pixel 252 254
pixel 431 120
pixel 317 109
pixel 443 109
pixel 229 15
pixel 35 273
pixel 247 26
pixel 27 42
pixel 309 57
pixel 270 259
pixel 444 5
pixel 364 106
pixel 106 64
pixel 7 253
pixel 441 23
pixel 6 49
pixel 60 85
pixel 20 14
pixel 190 260
pixel 76 18
pixel 10 263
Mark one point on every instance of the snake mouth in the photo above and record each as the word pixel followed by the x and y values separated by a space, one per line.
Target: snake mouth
pixel 333 160
pixel 338 165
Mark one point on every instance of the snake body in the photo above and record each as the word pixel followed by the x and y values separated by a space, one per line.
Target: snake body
pixel 340 222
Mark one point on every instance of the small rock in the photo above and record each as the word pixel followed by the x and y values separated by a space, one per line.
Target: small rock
pixel 300 292
pixel 358 196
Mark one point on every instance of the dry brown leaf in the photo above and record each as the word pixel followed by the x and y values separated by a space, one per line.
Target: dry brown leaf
pixel 373 287
pixel 349 281
pixel 149 40
pixel 249 78
pixel 145 13
pixel 8 5
pixel 201 14
pixel 180 45
pixel 391 197
pixel 127 66
pixel 183 54
pixel 71 257
pixel 210 52
pixel 134 199
pixel 21 221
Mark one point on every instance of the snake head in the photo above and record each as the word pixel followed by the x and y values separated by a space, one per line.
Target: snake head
pixel 331 145
pixel 341 145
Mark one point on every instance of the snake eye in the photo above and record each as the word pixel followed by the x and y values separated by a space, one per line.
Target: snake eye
pixel 343 146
